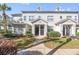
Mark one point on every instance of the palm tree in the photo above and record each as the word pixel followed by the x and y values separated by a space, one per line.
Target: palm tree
pixel 4 8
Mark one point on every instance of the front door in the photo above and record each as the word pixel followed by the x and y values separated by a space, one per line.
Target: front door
pixel 39 30
pixel 36 30
pixel 66 30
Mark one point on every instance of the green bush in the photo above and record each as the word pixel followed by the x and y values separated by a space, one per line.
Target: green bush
pixel 29 34
pixel 53 34
pixel 8 34
pixel 68 39
pixel 2 32
pixel 77 33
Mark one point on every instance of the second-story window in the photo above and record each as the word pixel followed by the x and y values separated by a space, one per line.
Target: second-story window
pixel 50 18
pixel 69 17
pixel 31 18
pixel 60 17
pixel 24 17
pixel 75 17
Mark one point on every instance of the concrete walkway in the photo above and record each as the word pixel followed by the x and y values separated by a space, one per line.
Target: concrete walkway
pixel 42 50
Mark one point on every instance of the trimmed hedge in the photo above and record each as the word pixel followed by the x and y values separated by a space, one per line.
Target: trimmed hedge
pixel 8 34
pixel 77 33
pixel 53 34
pixel 29 34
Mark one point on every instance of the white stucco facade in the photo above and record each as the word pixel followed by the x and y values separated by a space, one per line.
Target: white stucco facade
pixel 39 22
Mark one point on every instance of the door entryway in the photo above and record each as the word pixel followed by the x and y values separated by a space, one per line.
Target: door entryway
pixel 36 30
pixel 66 30
pixel 39 30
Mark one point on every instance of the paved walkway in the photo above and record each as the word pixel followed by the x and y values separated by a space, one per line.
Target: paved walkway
pixel 42 50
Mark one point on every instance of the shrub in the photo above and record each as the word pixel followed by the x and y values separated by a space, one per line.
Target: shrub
pixel 53 34
pixel 8 34
pixel 29 34
pixel 68 39
pixel 2 32
pixel 77 33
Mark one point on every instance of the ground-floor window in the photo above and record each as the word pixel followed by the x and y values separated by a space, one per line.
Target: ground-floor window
pixel 10 28
pixel 50 28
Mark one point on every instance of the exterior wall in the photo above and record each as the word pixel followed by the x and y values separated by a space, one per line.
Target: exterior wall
pixel 56 18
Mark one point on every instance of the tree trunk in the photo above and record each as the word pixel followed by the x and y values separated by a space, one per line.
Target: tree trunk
pixel 4 22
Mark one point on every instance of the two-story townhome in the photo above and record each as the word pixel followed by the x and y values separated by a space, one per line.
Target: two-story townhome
pixel 40 22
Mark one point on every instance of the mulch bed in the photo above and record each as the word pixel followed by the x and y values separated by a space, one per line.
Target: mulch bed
pixel 7 47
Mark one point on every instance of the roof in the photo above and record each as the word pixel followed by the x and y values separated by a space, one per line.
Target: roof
pixel 49 11
pixel 16 14
pixel 61 21
pixel 38 20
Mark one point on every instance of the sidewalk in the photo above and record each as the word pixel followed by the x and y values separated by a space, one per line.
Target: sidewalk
pixel 42 50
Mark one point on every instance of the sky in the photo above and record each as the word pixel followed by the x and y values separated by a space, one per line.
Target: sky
pixel 18 7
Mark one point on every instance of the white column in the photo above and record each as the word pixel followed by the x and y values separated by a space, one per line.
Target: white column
pixel 33 29
pixel 61 30
pixel 65 29
pixel 45 30
pixel 12 29
pixel 24 31
pixel 73 29
pixel 39 30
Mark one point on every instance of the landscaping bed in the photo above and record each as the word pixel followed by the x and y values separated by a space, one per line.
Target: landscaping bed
pixel 23 42
pixel 73 44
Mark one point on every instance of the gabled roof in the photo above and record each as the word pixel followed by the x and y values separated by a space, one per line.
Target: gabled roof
pixel 62 21
pixel 38 20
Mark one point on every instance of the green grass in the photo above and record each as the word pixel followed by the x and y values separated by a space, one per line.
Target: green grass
pixel 72 44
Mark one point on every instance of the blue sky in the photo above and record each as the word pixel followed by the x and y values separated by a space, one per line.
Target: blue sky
pixel 18 7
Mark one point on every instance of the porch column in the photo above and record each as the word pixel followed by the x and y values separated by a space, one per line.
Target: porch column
pixel 45 30
pixel 39 30
pixel 65 29
pixel 61 30
pixel 24 31
pixel 33 29
pixel 73 29
pixel 12 29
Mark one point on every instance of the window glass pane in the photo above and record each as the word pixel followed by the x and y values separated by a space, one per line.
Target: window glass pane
pixel 24 17
pixel 50 18
pixel 31 18
pixel 75 17
pixel 69 17
pixel 50 28
pixel 60 17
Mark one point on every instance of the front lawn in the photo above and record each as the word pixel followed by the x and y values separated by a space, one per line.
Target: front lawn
pixel 23 42
pixel 72 44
